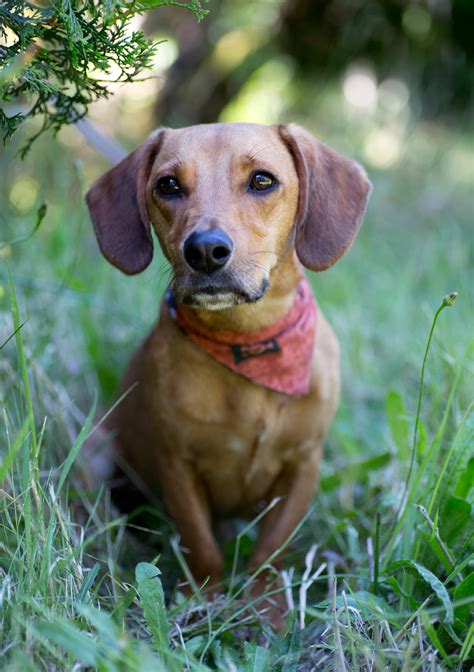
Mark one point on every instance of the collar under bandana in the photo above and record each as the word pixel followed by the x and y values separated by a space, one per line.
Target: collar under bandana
pixel 277 357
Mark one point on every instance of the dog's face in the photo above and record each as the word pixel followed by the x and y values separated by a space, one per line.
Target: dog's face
pixel 227 203
pixel 222 200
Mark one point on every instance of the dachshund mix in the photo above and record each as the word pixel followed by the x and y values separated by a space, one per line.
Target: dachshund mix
pixel 239 380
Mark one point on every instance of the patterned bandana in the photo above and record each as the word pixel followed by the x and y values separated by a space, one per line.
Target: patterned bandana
pixel 277 357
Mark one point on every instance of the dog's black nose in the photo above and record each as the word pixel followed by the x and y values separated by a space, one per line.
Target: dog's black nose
pixel 208 251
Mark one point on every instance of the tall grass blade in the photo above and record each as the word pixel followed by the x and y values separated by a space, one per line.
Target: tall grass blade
pixel 77 445
pixel 460 445
pixel 9 458
pixel 17 324
pixel 399 424
pixel 467 645
pixel 88 582
pixel 376 554
pixel 26 457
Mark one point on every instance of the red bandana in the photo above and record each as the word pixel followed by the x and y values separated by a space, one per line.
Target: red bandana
pixel 277 357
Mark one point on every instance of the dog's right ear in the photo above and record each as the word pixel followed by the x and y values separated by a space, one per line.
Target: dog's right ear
pixel 333 194
pixel 117 205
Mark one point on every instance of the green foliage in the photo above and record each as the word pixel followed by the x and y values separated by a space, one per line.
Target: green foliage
pixel 61 57
pixel 109 649
pixel 433 581
pixel 153 604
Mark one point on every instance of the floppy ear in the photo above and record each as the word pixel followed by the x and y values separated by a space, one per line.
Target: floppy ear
pixel 333 196
pixel 117 205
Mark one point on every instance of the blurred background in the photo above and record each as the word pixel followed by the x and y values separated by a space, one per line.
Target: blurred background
pixel 389 83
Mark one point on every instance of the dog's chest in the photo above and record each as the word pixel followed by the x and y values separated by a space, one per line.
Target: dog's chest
pixel 239 438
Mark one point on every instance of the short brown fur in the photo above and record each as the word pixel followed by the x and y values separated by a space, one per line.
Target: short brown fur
pixel 211 441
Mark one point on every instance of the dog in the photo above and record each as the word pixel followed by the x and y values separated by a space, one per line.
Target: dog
pixel 235 387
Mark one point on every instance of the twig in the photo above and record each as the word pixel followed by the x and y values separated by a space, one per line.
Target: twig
pixel 104 144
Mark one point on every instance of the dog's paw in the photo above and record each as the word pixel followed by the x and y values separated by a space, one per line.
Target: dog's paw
pixel 267 599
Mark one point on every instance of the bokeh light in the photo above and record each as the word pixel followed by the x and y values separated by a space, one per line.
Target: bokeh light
pixel 23 193
pixel 233 47
pixel 166 54
pixel 383 147
pixel 393 95
pixel 417 21
pixel 264 97
pixel 360 88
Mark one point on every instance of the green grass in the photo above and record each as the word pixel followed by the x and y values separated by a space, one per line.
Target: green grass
pixel 81 589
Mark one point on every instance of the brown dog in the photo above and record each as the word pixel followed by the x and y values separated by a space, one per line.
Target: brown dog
pixel 237 208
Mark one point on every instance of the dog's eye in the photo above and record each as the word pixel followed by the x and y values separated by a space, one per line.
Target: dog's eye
pixel 168 186
pixel 262 181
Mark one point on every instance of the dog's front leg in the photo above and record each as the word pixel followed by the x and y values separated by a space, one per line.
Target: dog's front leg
pixel 187 503
pixel 295 486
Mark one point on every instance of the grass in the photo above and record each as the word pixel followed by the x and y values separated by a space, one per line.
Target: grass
pixel 379 573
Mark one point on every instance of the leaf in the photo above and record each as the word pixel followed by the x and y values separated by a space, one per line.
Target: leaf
pixel 466 481
pixel 395 585
pixel 399 424
pixel 462 590
pixel 451 632
pixel 287 649
pixel 195 645
pixel 62 633
pixel 433 635
pixel 124 603
pixel 432 580
pixel 194 6
pixel 256 658
pixel 87 584
pixel 456 517
pixel 435 546
pixel 153 604
pixel 454 462
pixel 107 629
pixel 421 441
pixel 354 472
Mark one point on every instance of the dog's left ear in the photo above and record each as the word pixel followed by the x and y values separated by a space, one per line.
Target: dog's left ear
pixel 117 205
pixel 332 199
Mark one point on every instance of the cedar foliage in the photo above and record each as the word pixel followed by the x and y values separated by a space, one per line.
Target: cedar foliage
pixel 57 57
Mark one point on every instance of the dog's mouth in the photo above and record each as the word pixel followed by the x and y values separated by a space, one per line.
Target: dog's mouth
pixel 212 297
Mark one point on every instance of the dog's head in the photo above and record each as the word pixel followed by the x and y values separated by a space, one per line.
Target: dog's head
pixel 228 202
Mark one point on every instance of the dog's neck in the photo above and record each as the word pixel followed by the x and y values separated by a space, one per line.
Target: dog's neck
pixel 278 299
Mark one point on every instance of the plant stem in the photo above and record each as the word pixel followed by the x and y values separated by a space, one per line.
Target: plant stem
pixel 448 301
